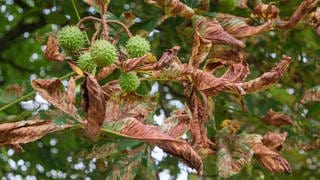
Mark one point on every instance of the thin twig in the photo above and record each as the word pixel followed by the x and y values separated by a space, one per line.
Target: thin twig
pixel 122 25
pixel 105 31
pixel 87 18
pixel 78 16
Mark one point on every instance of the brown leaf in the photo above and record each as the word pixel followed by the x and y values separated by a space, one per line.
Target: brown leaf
pixel 211 31
pixel 94 105
pixel 129 105
pixel 111 88
pixel 51 91
pixel 277 119
pixel 234 152
pixel 104 72
pixel 75 68
pixel 177 124
pixel 167 58
pixel 151 134
pixel 26 131
pixel 305 7
pixel 15 90
pixel 266 11
pixel 131 64
pixel 225 57
pixel 270 160
pixel 199 118
pixel 173 7
pixel 52 50
pixel 311 95
pixel 237 72
pixel 274 141
pixel 211 85
pixel 238 28
pixel 268 78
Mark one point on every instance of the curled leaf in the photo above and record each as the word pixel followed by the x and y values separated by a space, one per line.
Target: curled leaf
pixel 133 63
pixel 270 160
pixel 274 141
pixel 277 119
pixel 94 105
pixel 311 95
pixel 173 7
pixel 130 105
pixel 177 124
pixel 104 72
pixel 137 130
pixel 237 72
pixel 26 131
pixel 52 50
pixel 211 85
pixel 305 7
pixel 268 78
pixel 266 11
pixel 51 91
pixel 234 152
pixel 222 56
pixel 211 31
pixel 237 27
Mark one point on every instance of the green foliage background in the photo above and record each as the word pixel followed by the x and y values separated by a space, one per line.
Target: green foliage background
pixel 21 59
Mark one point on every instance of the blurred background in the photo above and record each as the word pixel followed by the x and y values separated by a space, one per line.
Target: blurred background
pixel 24 28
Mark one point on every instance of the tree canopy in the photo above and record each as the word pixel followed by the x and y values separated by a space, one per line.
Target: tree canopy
pixel 159 88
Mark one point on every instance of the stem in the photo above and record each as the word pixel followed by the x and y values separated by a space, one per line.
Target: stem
pixel 17 100
pixel 78 16
pixel 105 31
pixel 30 94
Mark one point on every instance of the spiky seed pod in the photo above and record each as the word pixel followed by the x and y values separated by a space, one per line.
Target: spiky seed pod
pixel 86 63
pixel 129 81
pixel 103 53
pixel 137 46
pixel 71 38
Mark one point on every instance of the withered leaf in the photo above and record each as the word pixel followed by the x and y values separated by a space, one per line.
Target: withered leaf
pixel 51 91
pixel 311 95
pixel 223 56
pixel 104 72
pixel 152 134
pixel 177 124
pixel 238 28
pixel 199 118
pixel 274 141
pixel 52 50
pixel 266 11
pixel 234 152
pixel 75 68
pixel 26 131
pixel 305 7
pixel 121 106
pixel 131 64
pixel 211 31
pixel 237 72
pixel 270 160
pixel 111 88
pixel 173 7
pixel 268 78
pixel 210 85
pixel 277 118
pixel 167 58
pixel 94 105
